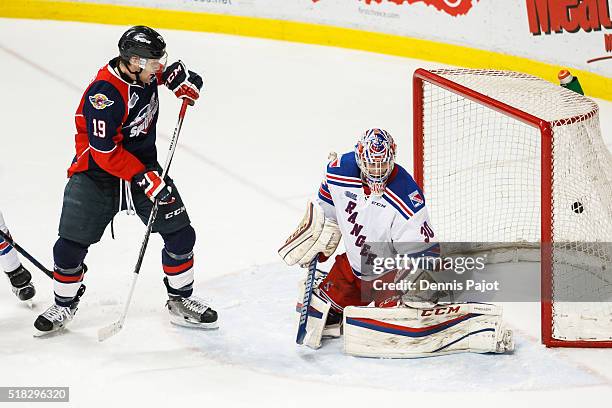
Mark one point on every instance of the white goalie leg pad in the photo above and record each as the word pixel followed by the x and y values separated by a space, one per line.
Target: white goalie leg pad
pixel 315 234
pixel 317 316
pixel 406 332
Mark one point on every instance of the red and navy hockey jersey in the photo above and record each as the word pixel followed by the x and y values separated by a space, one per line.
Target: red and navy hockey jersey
pixel 115 124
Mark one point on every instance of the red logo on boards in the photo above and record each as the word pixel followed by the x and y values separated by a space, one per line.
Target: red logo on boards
pixel 452 7
pixel 546 16
pixel 559 16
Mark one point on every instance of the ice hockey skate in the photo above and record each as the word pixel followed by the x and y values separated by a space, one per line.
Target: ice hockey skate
pixel 333 325
pixel 21 284
pixel 55 319
pixel 191 312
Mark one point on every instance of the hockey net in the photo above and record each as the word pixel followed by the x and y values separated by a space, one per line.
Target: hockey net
pixel 510 158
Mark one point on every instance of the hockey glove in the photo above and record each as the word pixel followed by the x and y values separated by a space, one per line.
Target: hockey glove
pixel 154 187
pixel 315 236
pixel 184 83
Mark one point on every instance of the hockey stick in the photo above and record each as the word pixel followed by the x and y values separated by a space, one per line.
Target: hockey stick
pixel 114 328
pixel 25 253
pixel 308 287
pixel 40 266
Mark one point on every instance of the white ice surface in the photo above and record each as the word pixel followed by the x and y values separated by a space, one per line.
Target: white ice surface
pixel 250 153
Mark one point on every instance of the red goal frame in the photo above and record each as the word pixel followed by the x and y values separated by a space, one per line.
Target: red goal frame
pixel 546 133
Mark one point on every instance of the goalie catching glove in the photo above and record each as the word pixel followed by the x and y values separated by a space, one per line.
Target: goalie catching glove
pixel 315 235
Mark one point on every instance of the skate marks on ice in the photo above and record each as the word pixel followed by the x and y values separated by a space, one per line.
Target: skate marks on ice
pixel 257 322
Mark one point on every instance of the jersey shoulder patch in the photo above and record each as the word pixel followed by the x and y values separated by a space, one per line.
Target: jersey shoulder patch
pixel 100 101
pixel 103 98
pixel 344 171
pixel 404 194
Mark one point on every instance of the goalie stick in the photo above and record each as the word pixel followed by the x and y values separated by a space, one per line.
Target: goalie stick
pixel 108 331
pixel 308 287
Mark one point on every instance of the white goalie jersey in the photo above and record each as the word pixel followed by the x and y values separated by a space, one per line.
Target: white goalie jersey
pixel 397 217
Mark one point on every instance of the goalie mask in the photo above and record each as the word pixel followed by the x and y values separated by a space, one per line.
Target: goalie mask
pixel 375 154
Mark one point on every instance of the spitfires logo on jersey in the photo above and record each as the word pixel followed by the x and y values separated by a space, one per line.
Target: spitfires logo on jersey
pixel 417 199
pixel 143 120
pixel 100 101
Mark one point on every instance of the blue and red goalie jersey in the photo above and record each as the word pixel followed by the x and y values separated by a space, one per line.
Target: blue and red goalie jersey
pixel 115 124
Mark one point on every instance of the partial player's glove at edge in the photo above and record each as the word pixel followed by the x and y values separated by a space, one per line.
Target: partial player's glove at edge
pixel 154 187
pixel 184 83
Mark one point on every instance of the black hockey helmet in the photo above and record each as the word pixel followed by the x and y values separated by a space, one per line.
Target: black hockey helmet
pixel 143 42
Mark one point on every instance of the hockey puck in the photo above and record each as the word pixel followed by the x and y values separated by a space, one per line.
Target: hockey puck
pixel 577 207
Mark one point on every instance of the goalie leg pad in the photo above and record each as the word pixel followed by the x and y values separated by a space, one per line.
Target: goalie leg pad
pixel 315 234
pixel 405 332
pixel 317 316
pixel 330 320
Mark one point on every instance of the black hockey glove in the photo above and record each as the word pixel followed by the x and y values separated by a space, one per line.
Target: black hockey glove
pixel 184 83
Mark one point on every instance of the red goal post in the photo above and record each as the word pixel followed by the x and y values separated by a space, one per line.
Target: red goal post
pixel 506 134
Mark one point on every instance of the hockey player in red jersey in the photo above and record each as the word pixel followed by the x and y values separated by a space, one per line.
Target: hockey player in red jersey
pixel 19 277
pixel 115 168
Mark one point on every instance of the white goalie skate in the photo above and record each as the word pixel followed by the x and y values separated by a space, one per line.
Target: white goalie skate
pixel 191 312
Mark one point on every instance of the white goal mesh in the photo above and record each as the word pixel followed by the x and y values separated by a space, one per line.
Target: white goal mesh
pixel 507 157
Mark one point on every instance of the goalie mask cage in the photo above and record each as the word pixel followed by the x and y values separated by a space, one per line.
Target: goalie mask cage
pixel 508 157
